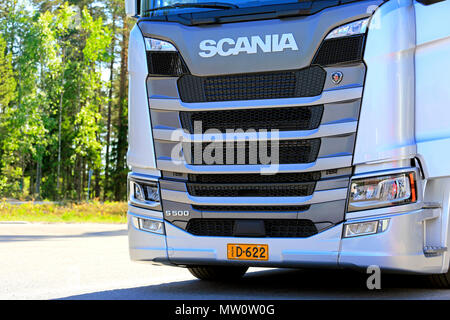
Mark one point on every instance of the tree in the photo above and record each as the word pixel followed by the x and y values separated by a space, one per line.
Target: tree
pixel 57 113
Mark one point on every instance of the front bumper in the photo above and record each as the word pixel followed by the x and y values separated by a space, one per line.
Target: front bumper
pixel 399 249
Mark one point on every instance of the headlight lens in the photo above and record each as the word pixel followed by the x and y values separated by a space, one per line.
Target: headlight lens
pixel 350 29
pixel 382 191
pixel 158 45
pixel 144 193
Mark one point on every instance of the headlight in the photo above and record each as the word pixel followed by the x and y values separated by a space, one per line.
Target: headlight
pixel 350 29
pixel 144 193
pixel 384 191
pixel 158 45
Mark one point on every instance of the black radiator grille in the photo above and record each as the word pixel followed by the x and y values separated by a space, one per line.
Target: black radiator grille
pixel 204 227
pixel 251 208
pixel 273 228
pixel 290 228
pixel 251 190
pixel 269 85
pixel 340 50
pixel 282 119
pixel 255 178
pixel 245 152
pixel 165 64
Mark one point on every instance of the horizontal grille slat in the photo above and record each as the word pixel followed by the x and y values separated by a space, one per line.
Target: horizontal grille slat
pixel 289 152
pixel 282 119
pixel 251 190
pixel 269 85
pixel 273 228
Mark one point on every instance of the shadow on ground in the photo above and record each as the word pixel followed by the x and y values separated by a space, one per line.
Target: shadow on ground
pixel 11 238
pixel 280 284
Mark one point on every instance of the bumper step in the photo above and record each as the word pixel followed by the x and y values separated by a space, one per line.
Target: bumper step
pixel 431 251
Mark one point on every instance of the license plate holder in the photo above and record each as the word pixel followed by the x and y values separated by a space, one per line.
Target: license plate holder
pixel 253 252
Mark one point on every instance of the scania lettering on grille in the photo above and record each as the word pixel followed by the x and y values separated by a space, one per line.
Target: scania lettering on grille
pixel 250 45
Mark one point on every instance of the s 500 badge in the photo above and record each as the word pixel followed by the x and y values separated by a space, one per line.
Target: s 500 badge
pixel 227 46
pixel 175 213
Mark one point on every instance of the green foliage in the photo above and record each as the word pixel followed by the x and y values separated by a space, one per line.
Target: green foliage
pixel 53 98
pixel 7 81
pixel 93 212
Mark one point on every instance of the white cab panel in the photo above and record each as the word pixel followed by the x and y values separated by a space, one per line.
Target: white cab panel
pixel 433 88
pixel 141 152
pixel 386 127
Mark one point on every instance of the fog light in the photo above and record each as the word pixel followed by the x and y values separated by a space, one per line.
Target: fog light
pixel 365 228
pixel 149 225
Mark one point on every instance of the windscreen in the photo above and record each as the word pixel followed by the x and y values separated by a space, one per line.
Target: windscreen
pixel 157 7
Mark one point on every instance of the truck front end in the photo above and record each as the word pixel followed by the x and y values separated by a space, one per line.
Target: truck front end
pixel 277 134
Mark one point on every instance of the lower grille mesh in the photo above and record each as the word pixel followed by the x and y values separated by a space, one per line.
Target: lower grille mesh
pixel 245 152
pixel 252 190
pixel 282 119
pixel 273 228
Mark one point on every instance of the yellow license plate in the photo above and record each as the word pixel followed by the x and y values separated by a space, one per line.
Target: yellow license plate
pixel 248 252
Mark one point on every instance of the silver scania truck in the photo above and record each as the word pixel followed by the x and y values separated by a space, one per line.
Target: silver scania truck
pixel 309 133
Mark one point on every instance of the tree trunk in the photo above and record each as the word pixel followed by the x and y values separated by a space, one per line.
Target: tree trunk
pixel 110 94
pixel 38 179
pixel 59 145
pixel 120 176
pixel 31 180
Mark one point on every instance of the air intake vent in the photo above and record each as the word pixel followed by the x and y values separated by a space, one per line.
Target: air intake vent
pixel 340 50
pixel 282 119
pixel 165 64
pixel 273 228
pixel 245 152
pixel 255 178
pixel 251 190
pixel 269 85
pixel 251 208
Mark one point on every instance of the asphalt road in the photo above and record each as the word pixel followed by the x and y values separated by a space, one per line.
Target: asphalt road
pixel 90 261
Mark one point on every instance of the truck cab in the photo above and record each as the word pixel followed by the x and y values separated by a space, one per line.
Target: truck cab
pixel 290 134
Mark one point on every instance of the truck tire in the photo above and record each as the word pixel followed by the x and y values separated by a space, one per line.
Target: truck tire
pixel 440 281
pixel 217 273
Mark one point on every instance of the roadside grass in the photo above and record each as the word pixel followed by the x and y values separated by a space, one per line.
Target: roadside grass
pixel 86 212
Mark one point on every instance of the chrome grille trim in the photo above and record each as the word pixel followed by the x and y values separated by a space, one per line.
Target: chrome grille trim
pixel 316 197
pixel 325 130
pixel 329 96
pixel 320 164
